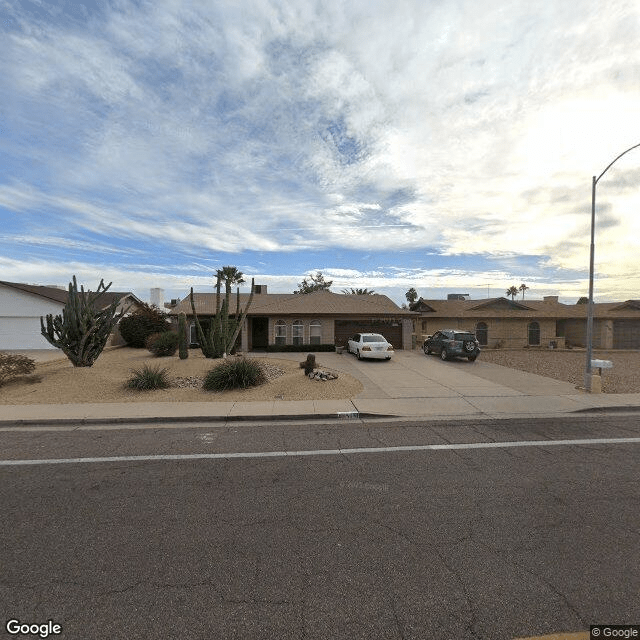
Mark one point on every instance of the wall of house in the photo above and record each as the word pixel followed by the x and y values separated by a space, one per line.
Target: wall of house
pixel 575 332
pixel 505 333
pixel 20 319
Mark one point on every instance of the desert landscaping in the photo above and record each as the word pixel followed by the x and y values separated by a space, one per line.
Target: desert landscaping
pixel 58 382
pixel 569 365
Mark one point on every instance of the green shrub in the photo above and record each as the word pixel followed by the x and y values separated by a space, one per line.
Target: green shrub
pixel 234 373
pixel 162 344
pixel 15 364
pixel 148 378
pixel 274 348
pixel 136 328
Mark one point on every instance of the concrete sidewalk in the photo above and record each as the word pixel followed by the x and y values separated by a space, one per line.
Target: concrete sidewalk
pixel 411 385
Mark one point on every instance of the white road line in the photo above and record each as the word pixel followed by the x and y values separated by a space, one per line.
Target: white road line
pixel 325 452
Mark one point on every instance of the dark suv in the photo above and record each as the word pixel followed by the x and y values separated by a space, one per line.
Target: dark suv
pixel 453 343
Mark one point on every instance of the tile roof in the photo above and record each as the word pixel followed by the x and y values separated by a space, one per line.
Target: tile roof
pixel 316 303
pixel 61 295
pixel 505 308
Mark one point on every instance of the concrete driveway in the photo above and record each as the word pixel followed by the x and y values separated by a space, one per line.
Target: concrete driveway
pixel 411 374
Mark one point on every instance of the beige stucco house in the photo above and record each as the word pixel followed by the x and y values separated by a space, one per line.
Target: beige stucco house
pixel 315 318
pixel 500 322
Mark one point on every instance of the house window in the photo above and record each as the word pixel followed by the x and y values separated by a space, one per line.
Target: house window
pixel 298 332
pixel 482 333
pixel 315 332
pixel 281 332
pixel 534 333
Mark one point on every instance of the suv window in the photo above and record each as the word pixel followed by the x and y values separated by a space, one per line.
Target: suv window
pixel 464 336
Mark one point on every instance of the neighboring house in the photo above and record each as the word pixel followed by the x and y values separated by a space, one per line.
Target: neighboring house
pixel 321 317
pixel 500 322
pixel 22 305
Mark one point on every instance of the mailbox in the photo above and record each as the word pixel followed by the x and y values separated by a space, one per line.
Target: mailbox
pixel 601 364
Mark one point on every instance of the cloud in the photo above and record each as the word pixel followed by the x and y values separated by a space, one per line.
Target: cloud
pixel 457 128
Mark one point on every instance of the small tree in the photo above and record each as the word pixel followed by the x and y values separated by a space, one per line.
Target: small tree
pixel 411 296
pixel 143 322
pixel 317 283
pixel 82 331
pixel 358 292
pixel 512 291
pixel 523 287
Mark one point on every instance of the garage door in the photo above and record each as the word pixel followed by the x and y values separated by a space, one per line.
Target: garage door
pixel 626 334
pixel 21 333
pixel 344 329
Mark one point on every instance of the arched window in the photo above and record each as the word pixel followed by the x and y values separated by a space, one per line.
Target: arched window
pixel 281 332
pixel 298 332
pixel 534 333
pixel 482 333
pixel 315 332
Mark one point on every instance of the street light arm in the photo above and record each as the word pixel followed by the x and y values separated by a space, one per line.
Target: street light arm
pixel 616 160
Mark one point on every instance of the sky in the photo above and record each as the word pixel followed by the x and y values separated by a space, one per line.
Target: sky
pixel 444 145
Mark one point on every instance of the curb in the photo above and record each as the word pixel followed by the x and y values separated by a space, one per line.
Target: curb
pixel 343 415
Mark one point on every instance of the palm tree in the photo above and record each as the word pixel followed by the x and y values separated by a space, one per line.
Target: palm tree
pixel 358 292
pixel 523 287
pixel 230 276
pixel 411 296
pixel 513 292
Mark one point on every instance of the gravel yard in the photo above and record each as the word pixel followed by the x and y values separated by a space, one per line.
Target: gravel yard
pixel 569 366
pixel 58 382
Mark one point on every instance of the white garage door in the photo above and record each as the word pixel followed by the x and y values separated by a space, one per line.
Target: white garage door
pixel 21 333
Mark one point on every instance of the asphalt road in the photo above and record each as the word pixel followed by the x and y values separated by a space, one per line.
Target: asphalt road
pixel 491 542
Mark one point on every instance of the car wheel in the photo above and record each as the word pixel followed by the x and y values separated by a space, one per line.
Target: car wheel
pixel 469 346
pixel 472 358
pixel 358 354
pixel 444 355
pixel 426 351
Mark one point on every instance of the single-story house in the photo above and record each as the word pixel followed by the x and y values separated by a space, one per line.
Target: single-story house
pixel 500 322
pixel 22 305
pixel 321 317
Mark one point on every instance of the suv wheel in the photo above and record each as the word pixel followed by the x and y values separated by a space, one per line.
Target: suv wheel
pixel 426 350
pixel 358 354
pixel 469 346
pixel 443 354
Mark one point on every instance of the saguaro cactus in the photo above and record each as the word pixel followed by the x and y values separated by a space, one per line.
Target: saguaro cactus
pixel 218 340
pixel 81 332
pixel 183 345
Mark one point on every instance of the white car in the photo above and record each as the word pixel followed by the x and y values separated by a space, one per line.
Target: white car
pixel 370 345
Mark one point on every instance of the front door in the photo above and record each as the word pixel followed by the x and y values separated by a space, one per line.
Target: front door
pixel 259 333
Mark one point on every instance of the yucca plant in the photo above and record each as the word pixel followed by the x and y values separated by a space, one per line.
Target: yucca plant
pixel 234 374
pixel 148 378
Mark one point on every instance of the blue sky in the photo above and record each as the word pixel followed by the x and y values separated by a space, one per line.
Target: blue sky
pixel 443 145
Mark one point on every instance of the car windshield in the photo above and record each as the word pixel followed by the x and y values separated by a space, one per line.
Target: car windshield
pixel 374 337
pixel 464 336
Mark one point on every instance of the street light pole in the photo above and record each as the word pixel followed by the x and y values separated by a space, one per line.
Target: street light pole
pixel 587 374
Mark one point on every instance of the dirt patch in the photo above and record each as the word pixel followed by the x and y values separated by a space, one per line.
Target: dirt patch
pixel 59 382
pixel 570 365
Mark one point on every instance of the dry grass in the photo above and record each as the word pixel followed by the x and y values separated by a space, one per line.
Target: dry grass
pixel 58 382
pixel 570 365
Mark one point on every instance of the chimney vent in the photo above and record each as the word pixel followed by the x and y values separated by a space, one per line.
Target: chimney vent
pixel 259 288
